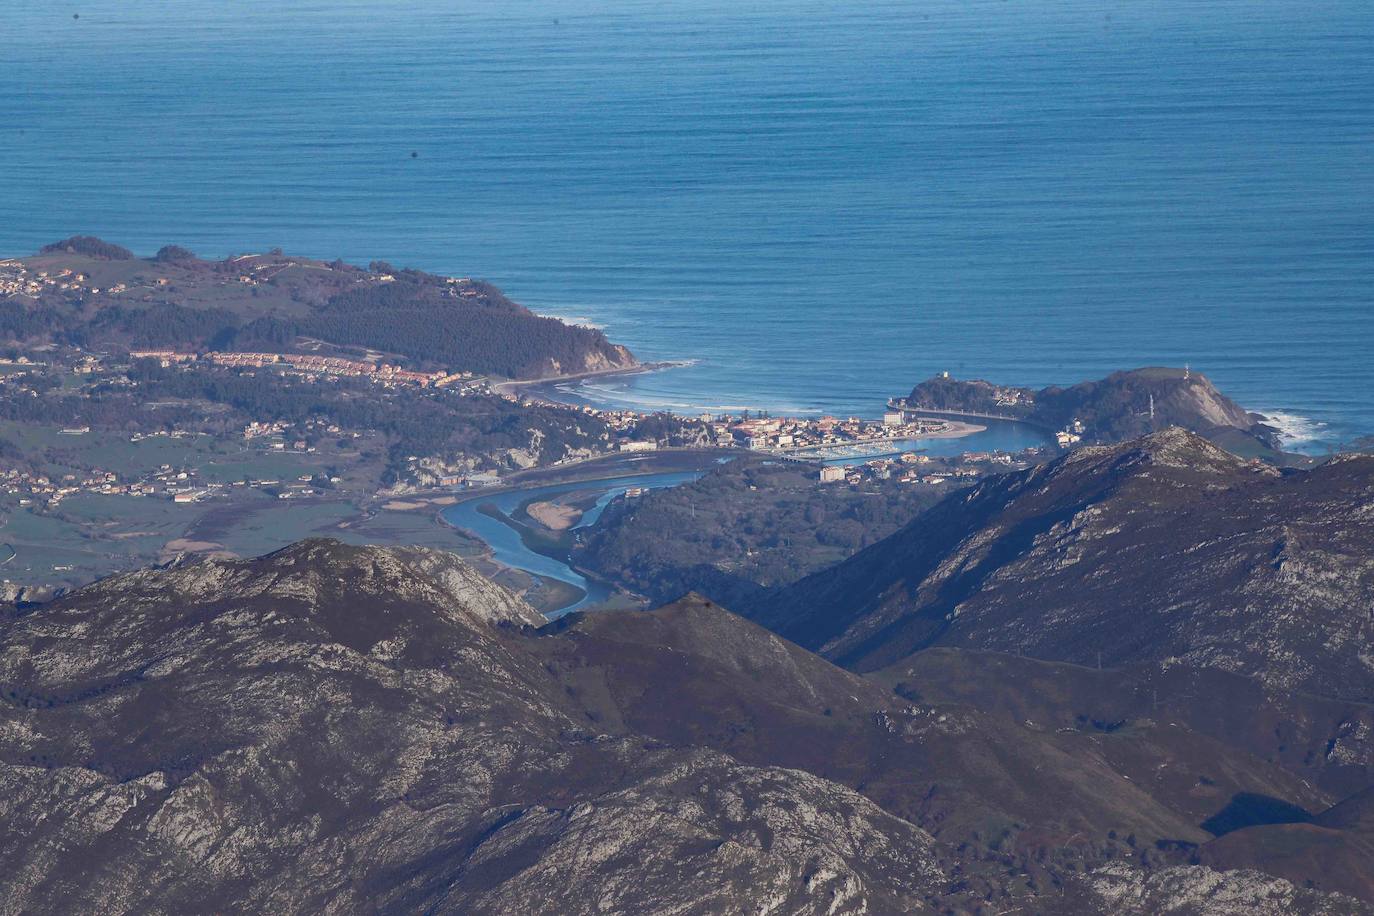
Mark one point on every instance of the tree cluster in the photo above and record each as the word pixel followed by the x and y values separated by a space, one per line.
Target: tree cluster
pixel 91 247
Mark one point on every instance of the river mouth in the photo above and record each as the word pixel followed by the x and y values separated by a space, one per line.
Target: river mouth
pixel 519 544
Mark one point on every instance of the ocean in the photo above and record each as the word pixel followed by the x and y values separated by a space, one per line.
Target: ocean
pixel 817 204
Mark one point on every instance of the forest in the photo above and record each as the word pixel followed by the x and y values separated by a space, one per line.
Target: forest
pixel 482 334
pixel 747 526
pixel 91 247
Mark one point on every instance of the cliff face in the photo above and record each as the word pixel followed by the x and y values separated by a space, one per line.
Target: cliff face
pixel 344 729
pixel 602 357
pixel 1123 405
pixel 1161 548
pixel 1118 406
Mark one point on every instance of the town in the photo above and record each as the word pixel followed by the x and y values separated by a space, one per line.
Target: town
pixel 882 447
pixel 310 366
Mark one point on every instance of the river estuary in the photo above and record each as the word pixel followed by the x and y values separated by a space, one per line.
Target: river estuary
pixel 509 549
pixel 492 518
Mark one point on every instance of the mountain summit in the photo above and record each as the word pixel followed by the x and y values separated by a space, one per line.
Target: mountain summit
pixel 331 728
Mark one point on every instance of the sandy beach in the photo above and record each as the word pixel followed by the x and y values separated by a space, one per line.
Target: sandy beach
pixel 554 516
pixel 539 388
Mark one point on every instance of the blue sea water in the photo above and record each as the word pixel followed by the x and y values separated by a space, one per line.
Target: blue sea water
pixel 820 203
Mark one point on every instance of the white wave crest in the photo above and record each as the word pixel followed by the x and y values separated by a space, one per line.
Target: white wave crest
pixel 1295 429
pixel 579 321
pixel 611 394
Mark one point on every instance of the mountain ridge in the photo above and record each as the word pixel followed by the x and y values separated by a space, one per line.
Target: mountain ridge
pixel 330 727
pixel 306 736
pixel 1119 553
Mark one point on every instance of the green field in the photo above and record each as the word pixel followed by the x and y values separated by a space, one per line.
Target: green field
pixel 56 453
pixel 93 535
pixel 420 528
pixel 260 524
pixel 90 535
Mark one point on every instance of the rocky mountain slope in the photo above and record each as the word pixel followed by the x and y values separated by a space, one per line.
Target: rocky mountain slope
pixel 1326 744
pixel 1165 549
pixel 358 729
pixel 346 729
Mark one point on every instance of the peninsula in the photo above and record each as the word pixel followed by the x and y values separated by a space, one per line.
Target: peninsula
pixel 1121 406
pixel 84 289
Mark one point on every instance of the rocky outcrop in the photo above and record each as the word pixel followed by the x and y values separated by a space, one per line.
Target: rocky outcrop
pixel 703 834
pixel 1200 891
pixel 1121 406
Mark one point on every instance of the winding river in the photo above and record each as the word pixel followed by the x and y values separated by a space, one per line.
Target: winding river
pixel 509 549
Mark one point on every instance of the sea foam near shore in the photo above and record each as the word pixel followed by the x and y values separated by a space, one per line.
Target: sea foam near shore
pixel 1296 430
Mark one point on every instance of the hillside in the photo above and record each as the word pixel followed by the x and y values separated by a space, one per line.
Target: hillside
pixel 744 526
pixel 333 728
pixel 94 294
pixel 1163 548
pixel 1328 744
pixel 348 728
pixel 1124 405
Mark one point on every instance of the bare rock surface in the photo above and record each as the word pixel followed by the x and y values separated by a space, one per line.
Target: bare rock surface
pixel 1124 405
pixel 343 729
pixel 1200 891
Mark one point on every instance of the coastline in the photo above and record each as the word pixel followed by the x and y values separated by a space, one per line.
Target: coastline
pixel 957 430
pixel 540 388
pixel 545 390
